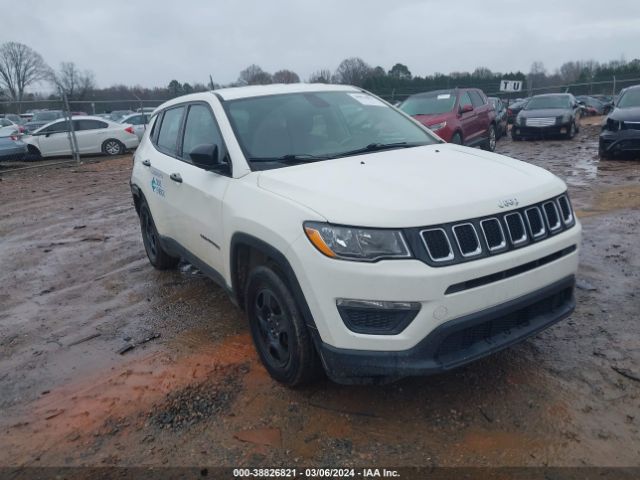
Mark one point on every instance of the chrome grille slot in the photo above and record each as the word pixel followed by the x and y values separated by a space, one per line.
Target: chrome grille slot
pixel 540 122
pixel 535 221
pixel 552 215
pixel 493 234
pixel 437 243
pixel 565 210
pixel 515 226
pixel 467 239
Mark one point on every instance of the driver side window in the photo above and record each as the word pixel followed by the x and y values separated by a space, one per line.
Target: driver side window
pixel 57 127
pixel 464 100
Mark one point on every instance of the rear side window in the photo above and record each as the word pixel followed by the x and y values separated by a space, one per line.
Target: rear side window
pixel 200 129
pixel 169 130
pixel 89 124
pixel 476 99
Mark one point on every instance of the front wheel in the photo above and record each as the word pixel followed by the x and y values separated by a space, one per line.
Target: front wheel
pixel 113 147
pixel 572 131
pixel 281 338
pixel 490 143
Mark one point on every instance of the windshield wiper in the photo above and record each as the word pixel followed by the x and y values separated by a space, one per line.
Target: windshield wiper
pixel 291 158
pixel 375 147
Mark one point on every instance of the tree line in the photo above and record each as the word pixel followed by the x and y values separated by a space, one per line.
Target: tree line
pixel 22 67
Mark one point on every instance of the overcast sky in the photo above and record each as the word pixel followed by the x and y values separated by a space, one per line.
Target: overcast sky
pixel 149 42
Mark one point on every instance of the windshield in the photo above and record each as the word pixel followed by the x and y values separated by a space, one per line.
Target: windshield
pixel 45 116
pixel 631 98
pixel 429 103
pixel 319 126
pixel 539 103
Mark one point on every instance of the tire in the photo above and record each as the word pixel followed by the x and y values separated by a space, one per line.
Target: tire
pixel 490 144
pixel 604 154
pixel 33 154
pixel 572 131
pixel 158 257
pixel 113 147
pixel 456 138
pixel 279 333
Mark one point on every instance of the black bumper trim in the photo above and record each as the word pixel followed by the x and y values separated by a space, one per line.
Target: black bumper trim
pixel 525 316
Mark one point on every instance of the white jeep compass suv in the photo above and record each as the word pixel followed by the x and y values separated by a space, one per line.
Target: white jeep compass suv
pixel 354 238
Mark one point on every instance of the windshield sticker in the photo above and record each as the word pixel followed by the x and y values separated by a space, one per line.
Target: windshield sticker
pixel 156 186
pixel 444 96
pixel 365 99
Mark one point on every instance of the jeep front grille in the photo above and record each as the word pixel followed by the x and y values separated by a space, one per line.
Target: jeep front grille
pixel 476 238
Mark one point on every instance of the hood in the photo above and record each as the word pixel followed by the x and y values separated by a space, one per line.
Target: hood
pixel 432 118
pixel 630 114
pixel 545 113
pixel 412 186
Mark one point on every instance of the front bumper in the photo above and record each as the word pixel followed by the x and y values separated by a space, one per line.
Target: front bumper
pixel 460 341
pixel 457 342
pixel 553 130
pixel 620 141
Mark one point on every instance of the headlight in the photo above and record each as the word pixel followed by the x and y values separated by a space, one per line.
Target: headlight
pixel 520 120
pixel 359 244
pixel 564 118
pixel 437 126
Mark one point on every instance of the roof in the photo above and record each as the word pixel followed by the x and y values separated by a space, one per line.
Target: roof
pixel 234 93
pixel 553 95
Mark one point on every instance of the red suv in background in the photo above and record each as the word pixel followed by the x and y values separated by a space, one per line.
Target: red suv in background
pixel 461 115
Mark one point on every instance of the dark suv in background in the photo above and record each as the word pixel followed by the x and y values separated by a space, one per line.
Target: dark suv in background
pixel 461 115
pixel 621 129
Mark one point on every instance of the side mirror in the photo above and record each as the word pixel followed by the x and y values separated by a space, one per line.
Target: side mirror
pixel 206 156
pixel 466 108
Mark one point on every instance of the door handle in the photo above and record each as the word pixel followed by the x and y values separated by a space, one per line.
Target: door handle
pixel 146 163
pixel 176 177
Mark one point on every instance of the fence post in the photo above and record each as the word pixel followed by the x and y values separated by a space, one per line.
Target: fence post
pixel 614 86
pixel 73 141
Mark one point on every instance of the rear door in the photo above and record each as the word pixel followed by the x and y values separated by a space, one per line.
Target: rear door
pixel 482 118
pixel 200 193
pixel 90 134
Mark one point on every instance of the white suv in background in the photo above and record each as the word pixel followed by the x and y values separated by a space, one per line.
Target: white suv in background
pixel 354 238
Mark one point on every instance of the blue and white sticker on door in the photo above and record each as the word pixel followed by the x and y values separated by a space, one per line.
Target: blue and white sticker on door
pixel 156 183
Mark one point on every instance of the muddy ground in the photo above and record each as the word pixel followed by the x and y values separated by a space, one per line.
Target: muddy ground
pixel 77 289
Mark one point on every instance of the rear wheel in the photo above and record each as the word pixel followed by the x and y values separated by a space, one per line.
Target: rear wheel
pixel 158 257
pixel 490 143
pixel 113 147
pixel 281 338
pixel 457 138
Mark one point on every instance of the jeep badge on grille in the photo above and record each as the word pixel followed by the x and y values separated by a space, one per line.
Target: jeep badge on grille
pixel 508 202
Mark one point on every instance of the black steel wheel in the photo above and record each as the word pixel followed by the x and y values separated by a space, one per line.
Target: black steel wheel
pixel 281 338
